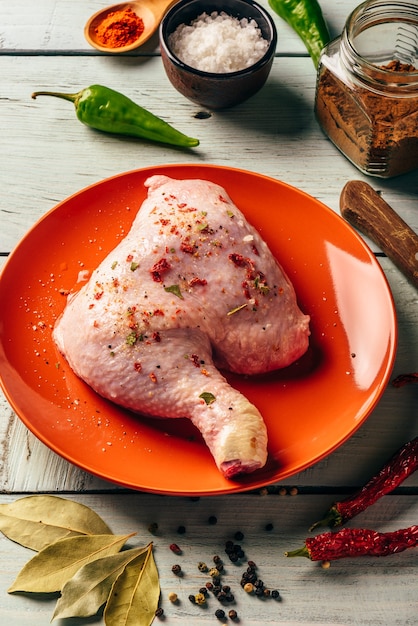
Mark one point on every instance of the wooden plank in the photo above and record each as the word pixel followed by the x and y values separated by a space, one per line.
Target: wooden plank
pixel 56 150
pixel 58 25
pixel 383 588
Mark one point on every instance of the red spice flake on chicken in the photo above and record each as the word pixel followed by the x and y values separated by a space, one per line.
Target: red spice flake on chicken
pixel 241 261
pixel 197 281
pixel 158 268
pixel 187 247
pixel 195 360
pixel 246 289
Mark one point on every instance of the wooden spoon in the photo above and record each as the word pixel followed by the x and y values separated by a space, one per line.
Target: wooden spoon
pixel 363 207
pixel 150 11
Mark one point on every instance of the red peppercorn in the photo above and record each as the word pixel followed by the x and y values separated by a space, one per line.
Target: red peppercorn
pixel 174 548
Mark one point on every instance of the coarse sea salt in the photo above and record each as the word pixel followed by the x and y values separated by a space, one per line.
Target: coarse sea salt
pixel 218 43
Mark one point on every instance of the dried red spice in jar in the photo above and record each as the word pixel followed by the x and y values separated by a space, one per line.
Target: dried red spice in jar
pixel 119 28
pixel 367 88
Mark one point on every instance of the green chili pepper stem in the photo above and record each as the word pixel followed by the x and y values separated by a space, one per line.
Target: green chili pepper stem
pixel 299 552
pixel 109 111
pixel 332 518
pixel 72 97
pixel 307 20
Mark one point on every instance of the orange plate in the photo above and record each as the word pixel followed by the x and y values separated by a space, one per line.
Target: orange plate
pixel 310 408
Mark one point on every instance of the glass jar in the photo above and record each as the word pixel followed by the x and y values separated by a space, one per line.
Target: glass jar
pixel 367 88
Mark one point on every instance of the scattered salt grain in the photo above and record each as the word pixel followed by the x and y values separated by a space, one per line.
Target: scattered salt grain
pixel 218 43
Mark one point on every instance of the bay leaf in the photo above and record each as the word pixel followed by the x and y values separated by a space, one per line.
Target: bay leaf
pixel 37 521
pixel 52 567
pixel 135 593
pixel 89 588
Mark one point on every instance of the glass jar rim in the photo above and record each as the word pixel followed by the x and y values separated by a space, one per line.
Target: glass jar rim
pixel 373 13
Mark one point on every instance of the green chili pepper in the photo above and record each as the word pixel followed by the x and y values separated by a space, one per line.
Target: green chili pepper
pixel 110 111
pixel 307 20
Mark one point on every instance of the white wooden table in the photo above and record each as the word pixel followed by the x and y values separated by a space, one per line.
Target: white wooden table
pixel 46 155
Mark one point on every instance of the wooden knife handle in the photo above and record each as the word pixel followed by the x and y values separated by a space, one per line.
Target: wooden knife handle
pixel 363 207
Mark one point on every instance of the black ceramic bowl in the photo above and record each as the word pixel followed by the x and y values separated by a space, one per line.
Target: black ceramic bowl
pixel 213 90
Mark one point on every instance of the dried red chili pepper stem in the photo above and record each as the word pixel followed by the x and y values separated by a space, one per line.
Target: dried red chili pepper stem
pixel 354 542
pixel 402 464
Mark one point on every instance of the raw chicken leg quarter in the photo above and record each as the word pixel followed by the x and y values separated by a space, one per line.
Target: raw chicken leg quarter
pixel 192 288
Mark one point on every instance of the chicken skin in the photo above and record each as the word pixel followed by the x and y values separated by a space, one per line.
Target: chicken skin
pixel 191 290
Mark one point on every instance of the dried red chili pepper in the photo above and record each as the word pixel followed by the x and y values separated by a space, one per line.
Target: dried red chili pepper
pixel 402 464
pixel 353 542
pixel 405 379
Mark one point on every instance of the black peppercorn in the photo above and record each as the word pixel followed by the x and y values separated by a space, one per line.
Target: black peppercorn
pixel 269 527
pixel 192 599
pixel 159 612
pixel 181 530
pixel 176 569
pixel 213 520
pixel 232 614
pixel 239 536
pixel 275 594
pixel 220 614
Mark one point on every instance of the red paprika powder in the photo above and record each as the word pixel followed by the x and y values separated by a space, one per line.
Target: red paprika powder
pixel 119 28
